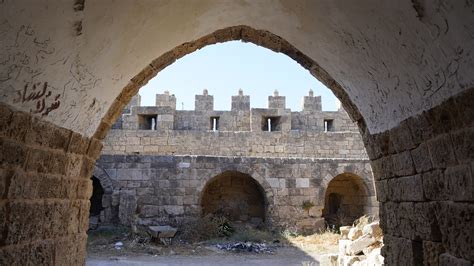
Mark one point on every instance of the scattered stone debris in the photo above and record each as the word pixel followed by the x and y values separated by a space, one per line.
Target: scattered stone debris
pixel 247 247
pixel 360 245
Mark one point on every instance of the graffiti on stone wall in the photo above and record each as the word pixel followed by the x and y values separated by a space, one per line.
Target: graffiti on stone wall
pixel 43 98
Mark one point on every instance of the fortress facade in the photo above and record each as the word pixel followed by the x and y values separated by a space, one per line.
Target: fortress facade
pixel 266 166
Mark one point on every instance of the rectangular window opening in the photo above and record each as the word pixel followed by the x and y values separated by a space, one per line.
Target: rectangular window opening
pixel 271 123
pixel 214 125
pixel 328 125
pixel 147 122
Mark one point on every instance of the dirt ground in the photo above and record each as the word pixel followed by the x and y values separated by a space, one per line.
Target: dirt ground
pixel 115 246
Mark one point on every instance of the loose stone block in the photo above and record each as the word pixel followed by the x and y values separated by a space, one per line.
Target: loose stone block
pixel 360 243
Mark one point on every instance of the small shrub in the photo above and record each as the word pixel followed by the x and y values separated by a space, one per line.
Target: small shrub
pixel 307 205
pixel 205 228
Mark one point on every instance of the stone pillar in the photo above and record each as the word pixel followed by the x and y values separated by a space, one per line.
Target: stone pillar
pixel 240 102
pixel 423 170
pixel 45 187
pixel 276 101
pixel 204 102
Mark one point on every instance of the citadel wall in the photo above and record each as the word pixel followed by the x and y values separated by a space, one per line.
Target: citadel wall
pixel 160 159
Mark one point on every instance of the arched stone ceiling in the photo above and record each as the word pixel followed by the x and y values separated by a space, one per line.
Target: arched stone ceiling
pixel 393 58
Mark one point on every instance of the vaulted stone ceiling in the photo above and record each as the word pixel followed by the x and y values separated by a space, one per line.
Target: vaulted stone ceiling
pixel 394 59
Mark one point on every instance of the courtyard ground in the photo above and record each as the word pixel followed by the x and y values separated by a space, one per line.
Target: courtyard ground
pixel 116 246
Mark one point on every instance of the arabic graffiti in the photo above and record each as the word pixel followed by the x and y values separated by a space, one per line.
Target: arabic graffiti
pixel 39 94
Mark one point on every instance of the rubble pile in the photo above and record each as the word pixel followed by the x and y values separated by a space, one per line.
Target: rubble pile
pixel 246 247
pixel 360 245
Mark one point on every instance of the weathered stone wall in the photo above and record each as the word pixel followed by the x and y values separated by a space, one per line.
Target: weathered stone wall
pixel 299 143
pixel 424 179
pixel 240 118
pixel 242 132
pixel 168 189
pixel 415 59
pixel 44 191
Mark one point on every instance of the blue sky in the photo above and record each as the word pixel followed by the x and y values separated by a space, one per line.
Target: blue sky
pixel 224 68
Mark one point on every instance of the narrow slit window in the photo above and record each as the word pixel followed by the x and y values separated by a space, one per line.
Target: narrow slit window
pixel 214 125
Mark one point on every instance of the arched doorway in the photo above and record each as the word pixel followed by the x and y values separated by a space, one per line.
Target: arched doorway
pixel 235 195
pixel 345 200
pixel 96 203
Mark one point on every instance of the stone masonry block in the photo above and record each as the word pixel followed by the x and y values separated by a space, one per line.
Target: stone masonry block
pixel 381 187
pixel 39 253
pixel 456 183
pixel 74 165
pixel 421 158
pixel 456 227
pixel 78 144
pixel 49 187
pixel 401 251
pixel 12 153
pixel 28 223
pixel 402 164
pixel 420 127
pixel 401 137
pixel 84 189
pixel 5 118
pixel 408 188
pixel 447 259
pixel 459 183
pixel 57 163
pixel 19 124
pixel 45 134
pixel 94 149
pixel 87 168
pixel 410 220
pixel 431 252
pixel 302 182
pixel 441 151
pixel 23 186
pixel 463 145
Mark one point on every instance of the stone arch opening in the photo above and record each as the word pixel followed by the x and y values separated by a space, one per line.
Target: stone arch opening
pixel 235 195
pixel 96 198
pixel 346 199
pixel 243 33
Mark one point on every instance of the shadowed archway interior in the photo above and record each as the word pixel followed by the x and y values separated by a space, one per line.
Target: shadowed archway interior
pixel 234 195
pixel 345 200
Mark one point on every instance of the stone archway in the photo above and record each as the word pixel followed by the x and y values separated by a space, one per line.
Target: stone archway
pixel 244 33
pixel 236 196
pixel 346 199
pixel 102 211
pixel 414 65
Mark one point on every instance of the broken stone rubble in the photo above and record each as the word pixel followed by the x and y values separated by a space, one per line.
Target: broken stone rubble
pixel 360 245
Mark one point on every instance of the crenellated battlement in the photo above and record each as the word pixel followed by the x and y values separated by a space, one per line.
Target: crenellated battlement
pixel 164 116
